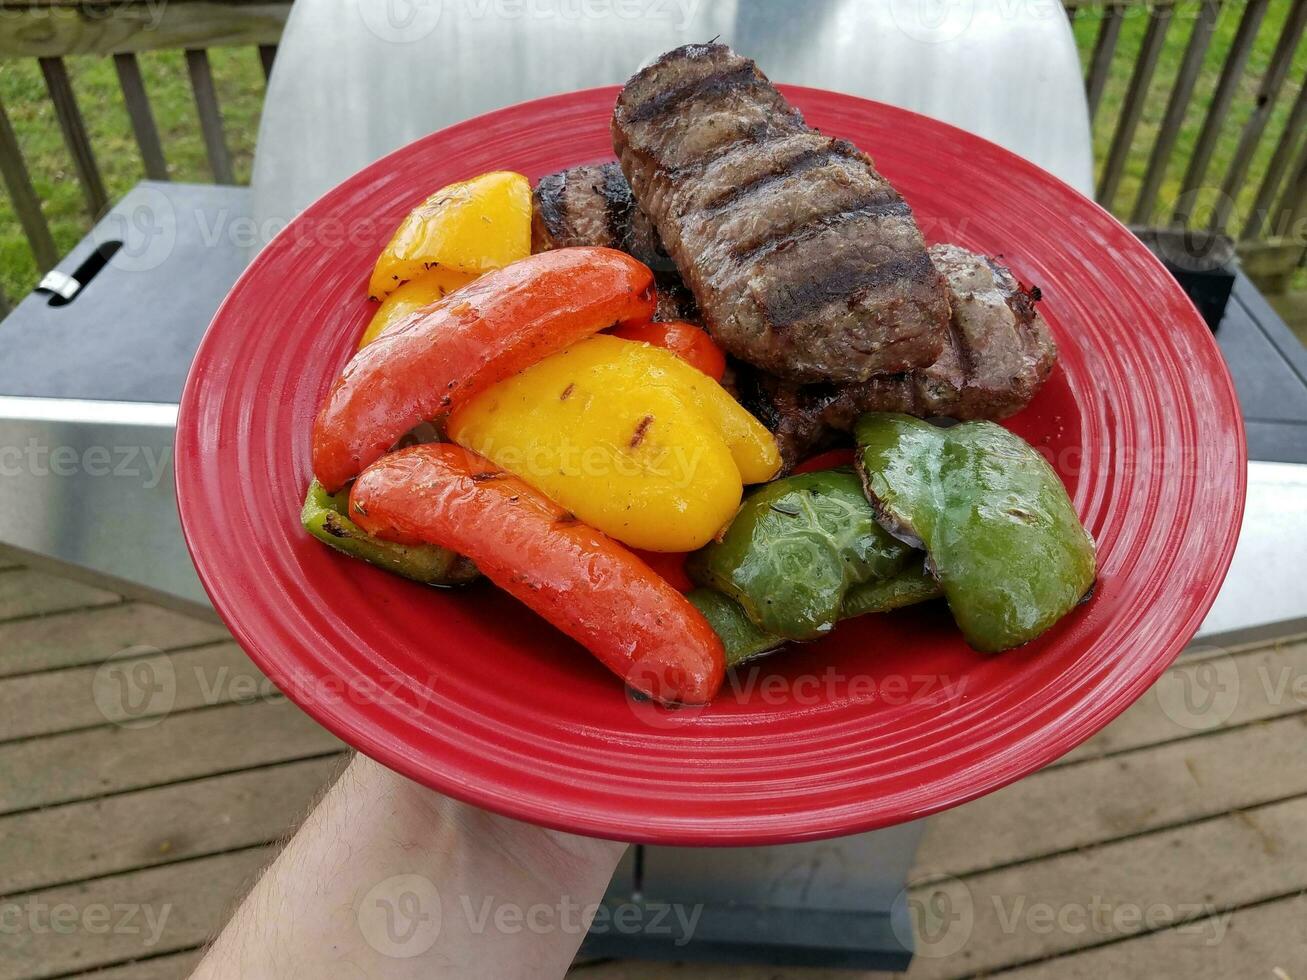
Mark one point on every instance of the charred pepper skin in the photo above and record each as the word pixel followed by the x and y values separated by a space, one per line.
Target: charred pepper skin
pixel 1002 536
pixel 437 358
pixel 323 516
pixel 585 583
pixel 794 550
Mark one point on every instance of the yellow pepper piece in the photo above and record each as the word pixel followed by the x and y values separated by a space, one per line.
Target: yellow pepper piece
pixel 473 227
pixel 752 446
pixel 413 295
pixel 611 430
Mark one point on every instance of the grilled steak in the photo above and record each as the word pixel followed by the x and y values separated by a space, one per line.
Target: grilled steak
pixel 998 353
pixel 592 205
pixel 804 261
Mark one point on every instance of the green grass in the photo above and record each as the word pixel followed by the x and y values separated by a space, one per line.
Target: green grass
pixel 1177 38
pixel 239 80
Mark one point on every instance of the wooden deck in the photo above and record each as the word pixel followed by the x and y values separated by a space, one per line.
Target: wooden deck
pixel 1169 846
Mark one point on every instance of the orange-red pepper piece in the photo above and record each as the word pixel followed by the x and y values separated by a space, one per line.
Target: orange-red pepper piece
pixel 585 583
pixel 688 342
pixel 442 355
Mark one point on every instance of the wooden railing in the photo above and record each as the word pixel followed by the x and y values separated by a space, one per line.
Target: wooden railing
pixel 1272 228
pixel 50 30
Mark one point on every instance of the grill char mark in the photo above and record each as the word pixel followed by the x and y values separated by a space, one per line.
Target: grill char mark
pixel 807 160
pixel 808 417
pixel 619 206
pixel 715 83
pixel 782 239
pixel 551 203
pixel 848 278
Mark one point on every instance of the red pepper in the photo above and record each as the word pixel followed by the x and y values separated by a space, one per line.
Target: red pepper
pixel 828 460
pixel 688 342
pixel 582 581
pixel 439 357
pixel 670 565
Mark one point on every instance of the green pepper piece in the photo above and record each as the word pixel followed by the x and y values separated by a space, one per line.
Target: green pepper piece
pixel 795 548
pixel 907 588
pixel 741 638
pixel 324 517
pixel 744 641
pixel 994 518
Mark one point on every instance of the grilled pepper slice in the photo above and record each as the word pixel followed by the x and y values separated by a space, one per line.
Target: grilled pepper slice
pixel 741 637
pixel 688 342
pixel 912 585
pixel 744 639
pixel 577 578
pixel 628 437
pixel 410 297
pixel 324 517
pixel 795 549
pixel 440 356
pixel 1000 532
pixel 470 227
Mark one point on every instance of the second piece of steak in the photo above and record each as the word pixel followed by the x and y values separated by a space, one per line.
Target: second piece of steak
pixel 593 205
pixel 998 354
pixel 803 259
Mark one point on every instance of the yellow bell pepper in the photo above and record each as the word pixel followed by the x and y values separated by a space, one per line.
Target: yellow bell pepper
pixel 472 227
pixel 413 295
pixel 626 436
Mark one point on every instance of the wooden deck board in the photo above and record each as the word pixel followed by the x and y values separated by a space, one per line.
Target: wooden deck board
pixel 175 966
pixel 1145 790
pixel 130 831
pixel 88 636
pixel 24 592
pixel 130 691
pixel 1165 810
pixel 99 761
pixel 1100 894
pixel 1265 941
pixel 172 908
pixel 1255 684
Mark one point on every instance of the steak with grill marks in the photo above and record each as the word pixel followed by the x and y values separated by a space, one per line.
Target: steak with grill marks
pixel 998 354
pixel 803 259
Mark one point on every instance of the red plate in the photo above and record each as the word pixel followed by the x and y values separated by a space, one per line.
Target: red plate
pixel 891 718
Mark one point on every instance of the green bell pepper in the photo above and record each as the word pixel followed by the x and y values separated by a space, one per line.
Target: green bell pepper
pixel 907 588
pixel 794 550
pixel 742 639
pixel 1001 535
pixel 324 517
